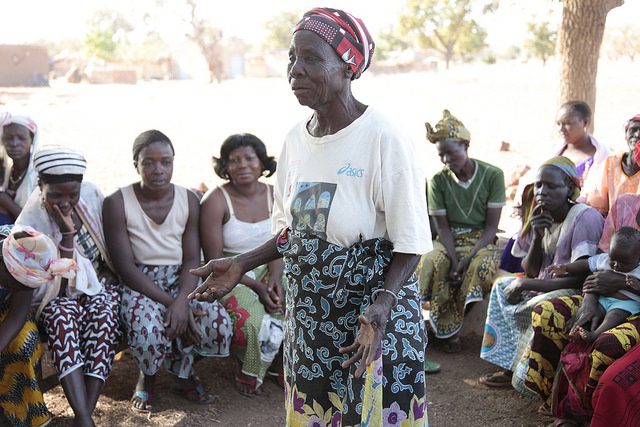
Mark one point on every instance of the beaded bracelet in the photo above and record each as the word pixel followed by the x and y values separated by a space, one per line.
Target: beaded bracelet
pixel 69 233
pixel 64 248
pixel 377 291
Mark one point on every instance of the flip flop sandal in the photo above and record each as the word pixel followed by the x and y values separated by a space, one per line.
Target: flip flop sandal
pixel 431 367
pixel 496 380
pixel 195 394
pixel 146 399
pixel 252 383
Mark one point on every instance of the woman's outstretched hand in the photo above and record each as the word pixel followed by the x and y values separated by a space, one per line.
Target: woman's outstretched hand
pixel 372 326
pixel 221 276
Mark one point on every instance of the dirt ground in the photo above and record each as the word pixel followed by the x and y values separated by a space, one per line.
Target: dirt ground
pixel 455 398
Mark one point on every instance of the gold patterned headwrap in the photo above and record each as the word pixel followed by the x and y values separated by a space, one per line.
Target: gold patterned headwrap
pixel 449 127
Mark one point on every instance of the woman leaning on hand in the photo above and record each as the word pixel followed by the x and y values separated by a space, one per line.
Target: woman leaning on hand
pixel 80 316
pixel 350 240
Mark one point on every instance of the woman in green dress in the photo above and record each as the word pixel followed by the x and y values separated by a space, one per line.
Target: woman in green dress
pixel 465 200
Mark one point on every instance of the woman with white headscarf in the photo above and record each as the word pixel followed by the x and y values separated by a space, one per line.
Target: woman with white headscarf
pixel 80 317
pixel 24 253
pixel 19 136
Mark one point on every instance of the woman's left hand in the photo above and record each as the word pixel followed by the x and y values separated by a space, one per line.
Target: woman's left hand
pixel 274 289
pixel 369 339
pixel 513 291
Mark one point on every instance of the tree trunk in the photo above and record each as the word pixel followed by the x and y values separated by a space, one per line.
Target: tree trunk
pixel 579 41
pixel 448 55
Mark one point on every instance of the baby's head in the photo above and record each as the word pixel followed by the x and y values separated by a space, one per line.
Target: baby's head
pixel 624 250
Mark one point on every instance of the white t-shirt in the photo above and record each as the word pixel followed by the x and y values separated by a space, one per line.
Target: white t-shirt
pixel 364 180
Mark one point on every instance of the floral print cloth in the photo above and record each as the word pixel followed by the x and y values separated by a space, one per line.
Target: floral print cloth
pixel 329 286
pixel 143 318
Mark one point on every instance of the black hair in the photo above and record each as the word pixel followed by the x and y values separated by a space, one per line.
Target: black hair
pixel 221 164
pixel 628 236
pixel 580 108
pixel 20 235
pixel 44 178
pixel 147 138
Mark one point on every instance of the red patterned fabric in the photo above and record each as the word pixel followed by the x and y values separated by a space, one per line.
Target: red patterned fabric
pixel 616 400
pixel 83 332
pixel 346 34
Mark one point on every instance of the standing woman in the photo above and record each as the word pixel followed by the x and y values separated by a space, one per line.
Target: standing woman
pixel 79 317
pixel 351 222
pixel 152 233
pixel 25 253
pixel 465 200
pixel 19 135
pixel 236 218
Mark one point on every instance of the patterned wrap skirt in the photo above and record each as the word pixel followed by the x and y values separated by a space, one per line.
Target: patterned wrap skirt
pixel 21 400
pixel 257 334
pixel 564 373
pixel 329 287
pixel 448 303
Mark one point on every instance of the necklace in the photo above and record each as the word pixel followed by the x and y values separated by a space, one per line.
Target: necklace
pixel 15 181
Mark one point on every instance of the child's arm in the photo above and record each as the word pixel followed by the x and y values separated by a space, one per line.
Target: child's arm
pixel 573 269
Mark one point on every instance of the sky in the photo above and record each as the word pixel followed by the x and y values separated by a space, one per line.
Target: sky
pixel 245 18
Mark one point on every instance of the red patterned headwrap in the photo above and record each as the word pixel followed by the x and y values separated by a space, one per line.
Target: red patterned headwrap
pixel 635 118
pixel 345 33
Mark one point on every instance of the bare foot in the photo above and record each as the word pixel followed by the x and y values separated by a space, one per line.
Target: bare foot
pixel 581 335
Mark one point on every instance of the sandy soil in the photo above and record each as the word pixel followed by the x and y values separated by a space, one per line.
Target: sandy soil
pixel 504 102
pixel 455 398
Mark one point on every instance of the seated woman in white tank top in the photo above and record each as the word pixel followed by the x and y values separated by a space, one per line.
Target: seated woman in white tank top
pixel 234 218
pixel 152 234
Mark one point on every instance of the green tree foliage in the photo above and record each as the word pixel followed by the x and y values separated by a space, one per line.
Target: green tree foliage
pixel 471 41
pixel 279 30
pixel 389 40
pixel 622 42
pixel 107 33
pixel 447 26
pixel 541 43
